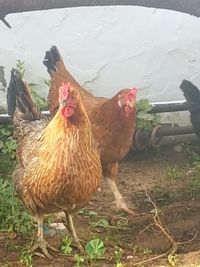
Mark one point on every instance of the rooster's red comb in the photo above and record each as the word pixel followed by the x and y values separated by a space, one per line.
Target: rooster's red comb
pixel 64 89
pixel 133 92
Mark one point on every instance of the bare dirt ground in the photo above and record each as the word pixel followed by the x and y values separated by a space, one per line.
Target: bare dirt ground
pixel 166 177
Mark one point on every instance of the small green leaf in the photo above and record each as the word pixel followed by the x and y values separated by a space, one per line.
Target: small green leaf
pixel 47 82
pixel 5 132
pixel 79 260
pixel 32 84
pixel 102 223
pixel 144 105
pixel 87 212
pixel 66 245
pixel 95 249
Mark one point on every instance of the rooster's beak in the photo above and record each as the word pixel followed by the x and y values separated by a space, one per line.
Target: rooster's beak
pixel 63 102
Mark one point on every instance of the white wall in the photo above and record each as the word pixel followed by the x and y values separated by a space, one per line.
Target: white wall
pixel 108 48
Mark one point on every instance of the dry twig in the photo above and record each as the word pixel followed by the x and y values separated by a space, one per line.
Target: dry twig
pixel 157 222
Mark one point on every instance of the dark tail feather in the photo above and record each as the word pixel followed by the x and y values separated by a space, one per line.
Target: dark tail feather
pixel 192 95
pixel 52 57
pixel 190 91
pixel 18 96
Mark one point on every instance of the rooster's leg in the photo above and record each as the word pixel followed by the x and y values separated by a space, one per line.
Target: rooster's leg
pixel 41 243
pixel 72 231
pixel 111 171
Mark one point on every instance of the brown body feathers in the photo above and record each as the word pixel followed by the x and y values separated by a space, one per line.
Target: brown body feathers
pixel 59 166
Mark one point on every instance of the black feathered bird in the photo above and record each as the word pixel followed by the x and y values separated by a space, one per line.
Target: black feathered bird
pixel 192 95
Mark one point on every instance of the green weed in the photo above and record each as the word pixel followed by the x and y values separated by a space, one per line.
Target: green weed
pixel 26 259
pixel 145 119
pixel 79 260
pixel 13 217
pixel 66 245
pixel 141 250
pixel 118 252
pixel 41 102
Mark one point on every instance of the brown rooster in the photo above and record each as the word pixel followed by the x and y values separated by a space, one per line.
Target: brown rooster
pixel 59 165
pixel 112 120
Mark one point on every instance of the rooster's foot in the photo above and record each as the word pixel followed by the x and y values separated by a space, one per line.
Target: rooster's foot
pixel 77 243
pixel 121 205
pixel 119 201
pixel 43 245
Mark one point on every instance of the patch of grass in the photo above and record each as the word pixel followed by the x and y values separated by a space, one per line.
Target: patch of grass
pixel 194 183
pixel 13 217
pixel 7 152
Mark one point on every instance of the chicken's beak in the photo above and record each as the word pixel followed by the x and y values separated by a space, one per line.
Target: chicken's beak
pixel 63 102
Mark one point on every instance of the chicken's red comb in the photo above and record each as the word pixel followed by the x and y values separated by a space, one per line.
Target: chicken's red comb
pixel 133 92
pixel 64 89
